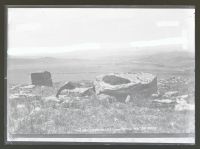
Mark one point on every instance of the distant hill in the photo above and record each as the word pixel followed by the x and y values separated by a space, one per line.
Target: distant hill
pixel 84 66
pixel 172 59
pixel 161 56
pixel 49 60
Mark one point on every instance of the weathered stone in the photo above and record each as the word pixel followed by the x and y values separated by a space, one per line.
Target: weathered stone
pixel 128 98
pixel 27 87
pixel 15 87
pixel 170 94
pixel 183 105
pixel 77 89
pixel 182 97
pixel 144 84
pixel 67 86
pixel 164 101
pixel 90 91
pixel 22 94
pixel 41 78
pixel 155 95
pixel 115 80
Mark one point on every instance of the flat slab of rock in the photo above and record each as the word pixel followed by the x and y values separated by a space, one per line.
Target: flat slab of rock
pixel 164 101
pixel 81 88
pixel 120 85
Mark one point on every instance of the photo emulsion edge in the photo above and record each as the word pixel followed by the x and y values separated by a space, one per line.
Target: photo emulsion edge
pixel 122 84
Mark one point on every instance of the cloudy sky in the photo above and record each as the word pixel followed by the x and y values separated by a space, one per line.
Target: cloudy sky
pixel 37 31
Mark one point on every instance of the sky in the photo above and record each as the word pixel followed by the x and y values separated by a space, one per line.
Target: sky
pixel 40 31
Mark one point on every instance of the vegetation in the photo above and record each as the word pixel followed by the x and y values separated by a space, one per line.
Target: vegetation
pixel 36 110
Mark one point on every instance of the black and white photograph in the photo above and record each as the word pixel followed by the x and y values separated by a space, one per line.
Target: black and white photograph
pixel 101 74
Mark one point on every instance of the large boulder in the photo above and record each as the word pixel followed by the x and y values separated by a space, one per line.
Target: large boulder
pixel 41 78
pixel 121 85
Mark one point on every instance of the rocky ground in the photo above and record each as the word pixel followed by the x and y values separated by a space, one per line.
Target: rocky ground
pixel 36 110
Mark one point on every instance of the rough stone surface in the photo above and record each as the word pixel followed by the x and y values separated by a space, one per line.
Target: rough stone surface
pixel 115 80
pixel 41 78
pixel 83 88
pixel 144 84
pixel 170 94
pixel 128 98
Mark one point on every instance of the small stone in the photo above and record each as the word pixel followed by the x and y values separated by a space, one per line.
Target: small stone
pixel 164 100
pixel 170 94
pixel 155 95
pixel 183 96
pixel 183 107
pixel 27 87
pixel 128 99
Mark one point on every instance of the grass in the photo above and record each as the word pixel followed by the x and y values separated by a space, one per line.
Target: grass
pixel 89 115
